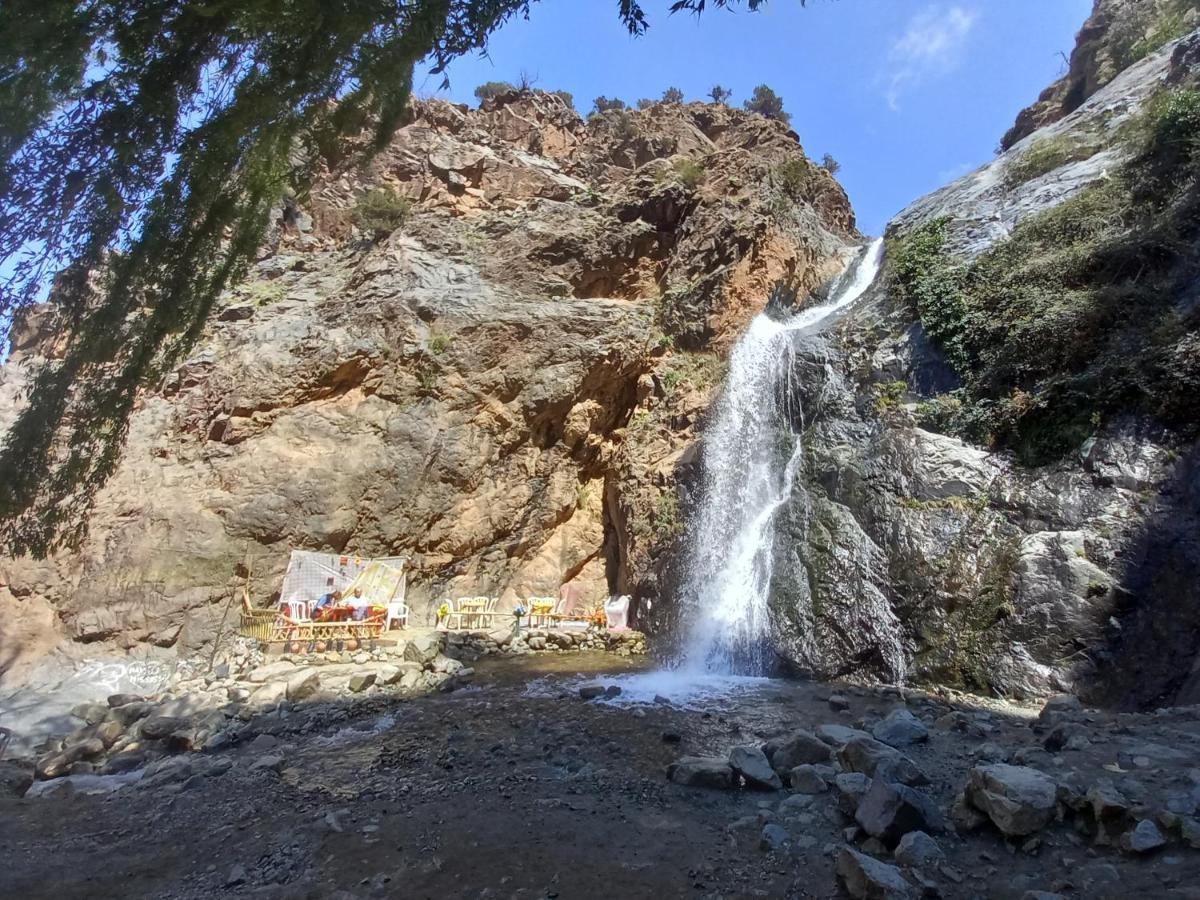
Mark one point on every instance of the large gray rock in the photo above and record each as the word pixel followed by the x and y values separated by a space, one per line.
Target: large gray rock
pixel 876 759
pixel 919 850
pixel 890 811
pixel 702 771
pixel 303 685
pixel 851 787
pixel 15 778
pixel 899 729
pixel 866 878
pixel 752 765
pixel 796 749
pixel 161 727
pixel 1017 799
pixel 423 648
pixel 1145 837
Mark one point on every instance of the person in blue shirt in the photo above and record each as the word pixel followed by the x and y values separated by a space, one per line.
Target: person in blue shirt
pixel 333 598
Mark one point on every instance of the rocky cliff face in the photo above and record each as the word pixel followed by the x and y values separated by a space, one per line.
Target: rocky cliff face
pixel 914 551
pixel 498 389
pixel 1118 34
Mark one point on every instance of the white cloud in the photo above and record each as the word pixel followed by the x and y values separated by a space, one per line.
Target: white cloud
pixel 933 45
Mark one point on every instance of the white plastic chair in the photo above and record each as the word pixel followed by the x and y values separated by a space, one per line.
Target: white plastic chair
pixel 616 612
pixel 397 611
pixel 296 610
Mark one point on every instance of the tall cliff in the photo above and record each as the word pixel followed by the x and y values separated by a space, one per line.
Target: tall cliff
pixel 497 389
pixel 1002 487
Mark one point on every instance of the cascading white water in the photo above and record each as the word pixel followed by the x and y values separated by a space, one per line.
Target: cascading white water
pixel 751 457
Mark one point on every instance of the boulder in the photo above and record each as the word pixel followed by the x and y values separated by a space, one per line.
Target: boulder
pixel 361 681
pixel 156 728
pixel 1145 837
pixel 302 685
pixel 807 779
pixel 890 811
pixel 15 778
pixel 751 763
pixel 1019 800
pixel 918 849
pixel 388 674
pixel 423 648
pixel 126 761
pixel 837 735
pixel 873 758
pixel 851 787
pixel 446 665
pixel 115 700
pixel 797 749
pixel 900 729
pixel 866 878
pixel 702 771
pixel 92 713
pixel 774 838
pixel 279 670
pixel 128 713
pixel 270 694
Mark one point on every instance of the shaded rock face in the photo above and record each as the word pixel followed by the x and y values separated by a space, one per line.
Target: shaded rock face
pixel 908 553
pixel 1117 34
pixel 500 390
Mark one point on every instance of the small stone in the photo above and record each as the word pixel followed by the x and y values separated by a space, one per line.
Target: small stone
pixel 774 838
pixel 866 878
pixel 918 849
pixel 115 700
pixel 236 876
pixel 751 763
pixel 611 691
pixel 838 702
pixel 671 737
pixel 1143 838
pixel 744 825
pixel 591 691
pixel 1042 895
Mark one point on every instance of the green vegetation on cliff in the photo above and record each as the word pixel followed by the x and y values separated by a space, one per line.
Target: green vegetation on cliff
pixel 1084 311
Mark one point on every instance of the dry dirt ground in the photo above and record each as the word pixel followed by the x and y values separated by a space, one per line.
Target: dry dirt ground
pixel 493 792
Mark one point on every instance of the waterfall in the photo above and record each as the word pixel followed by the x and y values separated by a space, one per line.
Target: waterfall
pixel 752 453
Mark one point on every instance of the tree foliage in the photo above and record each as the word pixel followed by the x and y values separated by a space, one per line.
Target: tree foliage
pixel 143 146
pixel 766 102
pixel 830 165
pixel 672 95
pixel 490 89
pixel 720 95
pixel 607 104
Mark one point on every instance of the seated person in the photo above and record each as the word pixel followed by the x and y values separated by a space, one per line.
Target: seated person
pixel 325 603
pixel 362 606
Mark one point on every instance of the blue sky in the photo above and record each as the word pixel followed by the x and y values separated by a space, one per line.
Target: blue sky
pixel 906 94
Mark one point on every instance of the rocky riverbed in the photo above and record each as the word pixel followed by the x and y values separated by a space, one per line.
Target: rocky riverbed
pixel 517 786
